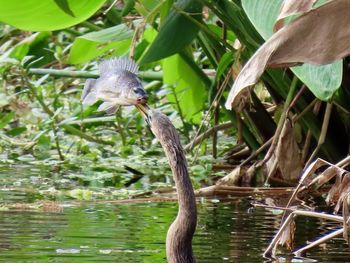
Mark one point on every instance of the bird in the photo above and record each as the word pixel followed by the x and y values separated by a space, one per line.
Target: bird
pixel 181 231
pixel 118 85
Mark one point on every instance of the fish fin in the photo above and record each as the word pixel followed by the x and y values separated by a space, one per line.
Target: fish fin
pixel 88 87
pixel 116 64
pixel 113 110
pixel 108 107
pixel 90 98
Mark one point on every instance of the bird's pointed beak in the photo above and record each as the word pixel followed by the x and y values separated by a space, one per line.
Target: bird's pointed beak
pixel 143 109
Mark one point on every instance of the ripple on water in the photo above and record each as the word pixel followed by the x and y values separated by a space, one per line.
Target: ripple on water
pixel 226 232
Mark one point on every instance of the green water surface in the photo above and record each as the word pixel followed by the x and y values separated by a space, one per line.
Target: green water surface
pixel 87 231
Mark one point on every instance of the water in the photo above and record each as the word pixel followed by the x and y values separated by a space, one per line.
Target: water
pixel 87 231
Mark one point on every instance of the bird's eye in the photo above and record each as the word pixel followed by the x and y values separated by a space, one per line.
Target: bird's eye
pixel 136 90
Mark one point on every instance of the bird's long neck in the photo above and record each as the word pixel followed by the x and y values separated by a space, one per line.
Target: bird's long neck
pixel 180 233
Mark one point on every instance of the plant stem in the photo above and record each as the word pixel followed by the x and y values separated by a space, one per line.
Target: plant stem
pixel 282 118
pixel 149 75
pixel 91 26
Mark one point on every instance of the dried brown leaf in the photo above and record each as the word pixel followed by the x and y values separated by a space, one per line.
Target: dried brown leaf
pixel 287 155
pixel 287 237
pixel 339 191
pixel 327 175
pixel 310 170
pixel 320 36
pixel 249 175
pixel 346 203
pixel 233 177
pixel 292 7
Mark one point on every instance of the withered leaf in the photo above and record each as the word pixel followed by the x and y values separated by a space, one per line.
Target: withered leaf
pixel 287 155
pixel 233 177
pixel 287 237
pixel 291 7
pixel 320 36
pixel 339 191
pixel 346 203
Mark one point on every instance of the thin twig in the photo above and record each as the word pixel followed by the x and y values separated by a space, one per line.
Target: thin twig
pixel 301 114
pixel 257 152
pixel 323 134
pixel 316 104
pixel 344 162
pixel 215 135
pixel 57 142
pixel 280 125
pixel 207 134
pixel 217 98
pixel 296 98
pixel 319 241
pixel 291 216
pixel 274 241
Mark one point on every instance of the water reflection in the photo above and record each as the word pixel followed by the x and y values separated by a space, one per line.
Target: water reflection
pixel 90 232
pixel 136 233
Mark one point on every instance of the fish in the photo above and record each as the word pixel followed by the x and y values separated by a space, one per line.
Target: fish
pixel 118 85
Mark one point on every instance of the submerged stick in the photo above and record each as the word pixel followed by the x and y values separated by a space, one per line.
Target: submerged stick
pixel 291 216
pixel 319 241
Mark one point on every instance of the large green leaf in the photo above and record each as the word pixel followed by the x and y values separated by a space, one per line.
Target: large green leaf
pixel 177 32
pixel 115 39
pixel 323 81
pixel 47 15
pixel 188 87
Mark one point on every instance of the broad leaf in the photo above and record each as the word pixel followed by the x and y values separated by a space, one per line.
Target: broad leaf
pixel 278 50
pixel 292 7
pixel 115 39
pixel 177 32
pixel 47 15
pixel 188 87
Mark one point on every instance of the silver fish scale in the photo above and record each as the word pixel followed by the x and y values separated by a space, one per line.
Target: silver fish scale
pixel 118 84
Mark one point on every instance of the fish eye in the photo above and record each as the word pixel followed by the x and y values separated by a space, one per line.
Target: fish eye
pixel 137 90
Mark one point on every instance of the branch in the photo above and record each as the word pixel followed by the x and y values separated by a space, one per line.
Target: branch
pixel 207 134
pixel 150 75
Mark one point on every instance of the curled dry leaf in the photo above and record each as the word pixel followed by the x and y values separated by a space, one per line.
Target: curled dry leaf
pixel 287 237
pixel 320 36
pixel 306 177
pixel 287 155
pixel 292 7
pixel 233 177
pixel 340 191
pixel 346 203
pixel 327 175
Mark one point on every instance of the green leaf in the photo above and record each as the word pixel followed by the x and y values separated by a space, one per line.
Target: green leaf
pixel 115 39
pixel 224 63
pixel 16 131
pixel 177 32
pixel 36 15
pixel 189 88
pixel 323 81
pixel 128 6
pixel 6 119
pixel 64 5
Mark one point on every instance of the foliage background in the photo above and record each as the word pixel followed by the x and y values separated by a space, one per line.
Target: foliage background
pixel 189 51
